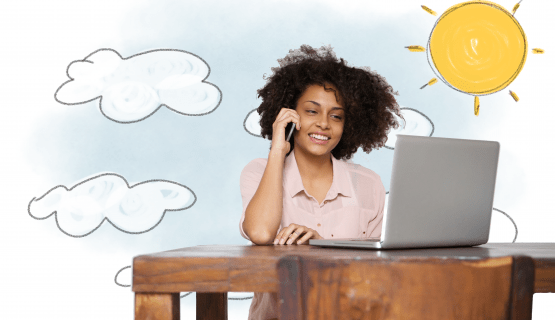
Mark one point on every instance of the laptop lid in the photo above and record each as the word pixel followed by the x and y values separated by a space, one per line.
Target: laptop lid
pixel 441 192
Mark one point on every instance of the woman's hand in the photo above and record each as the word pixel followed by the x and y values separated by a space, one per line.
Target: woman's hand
pixel 284 117
pixel 293 232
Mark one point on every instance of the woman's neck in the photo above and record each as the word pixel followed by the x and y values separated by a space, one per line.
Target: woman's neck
pixel 314 167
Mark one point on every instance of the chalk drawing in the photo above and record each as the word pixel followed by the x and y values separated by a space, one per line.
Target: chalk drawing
pixel 81 209
pixel 477 48
pixel 132 89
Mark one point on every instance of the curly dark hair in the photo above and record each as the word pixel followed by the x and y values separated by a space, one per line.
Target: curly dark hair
pixel 368 99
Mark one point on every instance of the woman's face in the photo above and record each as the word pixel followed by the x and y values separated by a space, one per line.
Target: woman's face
pixel 322 121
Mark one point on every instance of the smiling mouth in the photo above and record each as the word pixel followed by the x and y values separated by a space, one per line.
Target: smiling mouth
pixel 319 137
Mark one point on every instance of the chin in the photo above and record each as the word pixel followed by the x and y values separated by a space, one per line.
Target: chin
pixel 315 150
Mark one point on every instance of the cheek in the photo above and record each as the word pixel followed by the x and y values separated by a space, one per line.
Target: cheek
pixel 305 125
pixel 339 130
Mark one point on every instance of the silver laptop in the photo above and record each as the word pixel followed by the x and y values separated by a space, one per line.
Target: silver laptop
pixel 441 195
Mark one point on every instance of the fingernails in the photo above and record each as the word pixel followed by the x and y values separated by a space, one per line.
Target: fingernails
pixel 275 241
pixel 290 241
pixel 282 241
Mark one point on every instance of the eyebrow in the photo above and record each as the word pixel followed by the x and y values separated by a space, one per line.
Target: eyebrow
pixel 319 105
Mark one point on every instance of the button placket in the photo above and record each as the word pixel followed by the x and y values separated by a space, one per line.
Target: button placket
pixel 318 215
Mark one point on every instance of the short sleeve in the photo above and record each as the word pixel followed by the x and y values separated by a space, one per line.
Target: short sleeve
pixel 249 182
pixel 374 229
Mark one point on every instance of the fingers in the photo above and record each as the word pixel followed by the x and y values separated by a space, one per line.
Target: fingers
pixel 287 115
pixel 292 231
pixel 295 233
pixel 308 235
pixel 293 236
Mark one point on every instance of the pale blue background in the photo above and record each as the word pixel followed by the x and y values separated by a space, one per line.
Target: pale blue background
pixel 52 276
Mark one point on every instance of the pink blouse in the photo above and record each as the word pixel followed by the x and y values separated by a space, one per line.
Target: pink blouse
pixel 352 208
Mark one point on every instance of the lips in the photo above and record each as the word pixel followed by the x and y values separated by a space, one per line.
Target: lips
pixel 319 136
pixel 318 139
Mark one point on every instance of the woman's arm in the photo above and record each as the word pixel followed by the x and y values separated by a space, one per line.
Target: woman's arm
pixel 263 214
pixel 264 211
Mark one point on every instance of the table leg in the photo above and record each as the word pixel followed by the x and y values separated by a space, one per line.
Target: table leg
pixel 211 305
pixel 156 306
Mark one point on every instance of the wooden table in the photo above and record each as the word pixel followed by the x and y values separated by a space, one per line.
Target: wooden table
pixel 212 271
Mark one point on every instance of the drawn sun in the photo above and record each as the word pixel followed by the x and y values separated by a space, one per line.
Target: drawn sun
pixel 476 47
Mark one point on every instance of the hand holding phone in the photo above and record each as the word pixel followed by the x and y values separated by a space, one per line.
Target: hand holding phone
pixel 285 124
pixel 291 127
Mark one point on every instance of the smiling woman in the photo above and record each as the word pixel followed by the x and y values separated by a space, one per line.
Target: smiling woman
pixel 305 189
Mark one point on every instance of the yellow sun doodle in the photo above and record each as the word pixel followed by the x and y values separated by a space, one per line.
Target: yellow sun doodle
pixel 476 47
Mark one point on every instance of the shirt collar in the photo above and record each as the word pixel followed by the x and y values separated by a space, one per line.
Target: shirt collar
pixel 294 184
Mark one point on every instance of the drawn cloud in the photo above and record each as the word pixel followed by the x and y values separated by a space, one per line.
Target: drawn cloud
pixel 252 123
pixel 139 208
pixel 118 279
pixel 416 123
pixel 132 89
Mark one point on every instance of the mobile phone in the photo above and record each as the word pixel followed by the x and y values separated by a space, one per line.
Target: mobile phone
pixel 290 128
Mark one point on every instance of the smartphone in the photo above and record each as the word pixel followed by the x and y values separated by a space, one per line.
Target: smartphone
pixel 290 128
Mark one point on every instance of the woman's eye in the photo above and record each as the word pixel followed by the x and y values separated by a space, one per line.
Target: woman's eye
pixel 337 117
pixel 311 111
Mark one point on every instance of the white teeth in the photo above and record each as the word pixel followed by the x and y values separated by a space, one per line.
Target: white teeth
pixel 319 137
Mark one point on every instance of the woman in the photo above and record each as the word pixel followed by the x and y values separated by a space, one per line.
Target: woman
pixel 305 189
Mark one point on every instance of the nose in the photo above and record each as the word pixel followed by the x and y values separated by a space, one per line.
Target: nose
pixel 323 121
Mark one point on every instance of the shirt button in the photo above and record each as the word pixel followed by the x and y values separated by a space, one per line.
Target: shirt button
pixel 319 225
pixel 332 235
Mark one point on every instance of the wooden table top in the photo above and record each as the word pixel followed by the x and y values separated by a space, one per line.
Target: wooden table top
pixel 236 268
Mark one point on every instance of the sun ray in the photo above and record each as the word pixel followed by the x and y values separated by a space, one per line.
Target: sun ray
pixel 516 7
pixel 476 105
pixel 434 80
pixel 416 48
pixel 513 95
pixel 538 51
pixel 430 11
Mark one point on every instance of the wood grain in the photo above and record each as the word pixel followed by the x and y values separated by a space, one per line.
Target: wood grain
pixel 211 306
pixel 494 288
pixel 223 268
pixel 253 268
pixel 156 306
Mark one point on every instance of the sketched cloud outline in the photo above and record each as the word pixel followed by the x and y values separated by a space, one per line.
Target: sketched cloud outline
pixel 98 218
pixel 416 123
pixel 124 85
pixel 251 124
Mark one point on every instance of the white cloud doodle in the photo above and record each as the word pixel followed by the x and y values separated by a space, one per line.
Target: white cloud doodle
pixel 125 279
pixel 133 88
pixel 252 123
pixel 82 209
pixel 416 124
